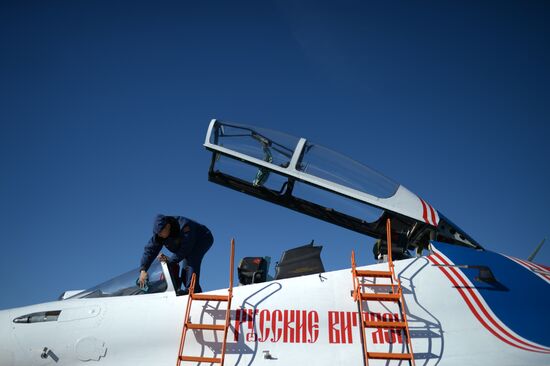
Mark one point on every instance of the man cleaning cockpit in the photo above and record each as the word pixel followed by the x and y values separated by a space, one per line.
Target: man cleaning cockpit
pixel 186 239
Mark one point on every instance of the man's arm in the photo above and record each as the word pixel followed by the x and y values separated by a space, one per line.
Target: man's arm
pixel 151 250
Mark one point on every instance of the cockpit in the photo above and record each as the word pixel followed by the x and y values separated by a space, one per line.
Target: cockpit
pixel 126 284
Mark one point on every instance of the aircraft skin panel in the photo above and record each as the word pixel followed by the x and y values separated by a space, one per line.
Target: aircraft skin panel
pixel 126 331
pixel 310 319
pixel 409 204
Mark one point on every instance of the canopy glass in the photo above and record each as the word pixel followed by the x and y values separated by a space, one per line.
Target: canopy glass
pixel 312 179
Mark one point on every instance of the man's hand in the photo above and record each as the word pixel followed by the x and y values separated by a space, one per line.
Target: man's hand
pixel 142 278
pixel 161 257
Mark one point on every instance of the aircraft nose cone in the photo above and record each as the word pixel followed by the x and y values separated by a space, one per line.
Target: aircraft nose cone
pixel 7 345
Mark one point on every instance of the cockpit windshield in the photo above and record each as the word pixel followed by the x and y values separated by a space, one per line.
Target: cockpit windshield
pixel 334 167
pixel 277 148
pixel 450 233
pixel 261 143
pixel 126 285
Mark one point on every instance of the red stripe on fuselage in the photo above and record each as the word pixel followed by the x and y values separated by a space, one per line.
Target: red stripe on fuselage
pixel 433 215
pixel 424 210
pixel 478 302
pixel 533 267
pixel 472 308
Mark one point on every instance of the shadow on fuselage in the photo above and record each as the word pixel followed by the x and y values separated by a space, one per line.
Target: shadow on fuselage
pixel 421 326
pixel 251 304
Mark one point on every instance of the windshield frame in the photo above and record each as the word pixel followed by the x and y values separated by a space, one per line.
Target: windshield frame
pixel 291 170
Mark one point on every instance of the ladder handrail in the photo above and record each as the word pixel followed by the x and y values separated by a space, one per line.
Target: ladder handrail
pixel 230 296
pixel 231 264
pixel 357 297
pixel 187 311
pixel 354 277
pixel 388 239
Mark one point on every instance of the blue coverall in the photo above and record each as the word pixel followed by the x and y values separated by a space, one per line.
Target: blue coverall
pixel 188 241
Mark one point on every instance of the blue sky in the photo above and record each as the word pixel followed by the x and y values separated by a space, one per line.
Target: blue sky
pixel 104 106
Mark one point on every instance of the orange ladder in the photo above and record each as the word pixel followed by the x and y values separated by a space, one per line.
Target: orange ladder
pixel 395 295
pixel 215 327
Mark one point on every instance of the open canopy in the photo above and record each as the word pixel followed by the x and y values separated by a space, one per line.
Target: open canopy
pixel 309 178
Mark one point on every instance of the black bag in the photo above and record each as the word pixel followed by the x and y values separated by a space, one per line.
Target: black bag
pixel 300 261
pixel 252 270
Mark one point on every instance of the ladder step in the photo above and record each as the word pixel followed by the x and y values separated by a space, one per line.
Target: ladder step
pixel 380 297
pixel 389 356
pixel 381 324
pixel 205 326
pixel 367 273
pixel 200 359
pixel 205 297
pixel 377 285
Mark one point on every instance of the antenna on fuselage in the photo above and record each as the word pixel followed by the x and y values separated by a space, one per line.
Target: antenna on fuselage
pixel 532 256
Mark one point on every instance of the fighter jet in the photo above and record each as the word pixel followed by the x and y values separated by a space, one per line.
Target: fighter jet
pixel 434 295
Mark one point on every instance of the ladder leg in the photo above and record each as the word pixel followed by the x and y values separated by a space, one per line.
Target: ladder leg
pixel 402 306
pixel 186 318
pixel 396 280
pixel 228 309
pixel 363 332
